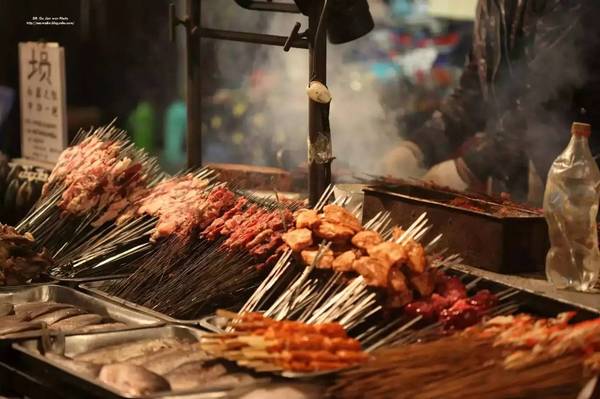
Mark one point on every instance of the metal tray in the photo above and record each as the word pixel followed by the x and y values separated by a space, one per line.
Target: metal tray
pixel 76 281
pixel 214 323
pixel 95 289
pixel 11 288
pixel 30 358
pixel 86 302
pixel 505 244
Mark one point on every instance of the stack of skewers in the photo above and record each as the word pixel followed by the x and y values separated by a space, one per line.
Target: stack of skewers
pixel 236 241
pixel 375 280
pixel 92 182
pixel 265 344
pixel 505 357
pixel 193 245
pixel 314 289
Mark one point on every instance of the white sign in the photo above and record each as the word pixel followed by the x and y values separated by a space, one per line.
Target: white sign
pixel 43 101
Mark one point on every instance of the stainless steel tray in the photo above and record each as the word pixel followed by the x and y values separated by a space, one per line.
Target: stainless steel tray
pixel 95 289
pixel 29 353
pixel 76 281
pixel 214 323
pixel 11 288
pixel 84 301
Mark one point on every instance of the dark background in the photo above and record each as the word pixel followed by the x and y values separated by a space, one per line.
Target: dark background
pixel 116 52
pixel 254 107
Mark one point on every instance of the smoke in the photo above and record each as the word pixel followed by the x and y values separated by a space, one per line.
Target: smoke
pixel 361 132
pixel 544 84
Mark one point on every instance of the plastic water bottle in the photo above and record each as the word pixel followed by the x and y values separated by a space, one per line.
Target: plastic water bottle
pixel 570 207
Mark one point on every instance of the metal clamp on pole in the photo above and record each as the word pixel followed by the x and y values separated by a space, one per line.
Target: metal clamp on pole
pixel 294 36
pixel 174 21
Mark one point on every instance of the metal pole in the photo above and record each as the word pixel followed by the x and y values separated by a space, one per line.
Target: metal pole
pixel 194 95
pixel 319 136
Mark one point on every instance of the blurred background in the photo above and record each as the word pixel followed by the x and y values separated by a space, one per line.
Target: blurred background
pixel 120 63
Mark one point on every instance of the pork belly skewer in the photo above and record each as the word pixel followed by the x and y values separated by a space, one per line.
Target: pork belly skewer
pixel 235 248
pixel 143 223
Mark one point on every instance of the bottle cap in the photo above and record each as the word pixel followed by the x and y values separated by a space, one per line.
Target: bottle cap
pixel 581 129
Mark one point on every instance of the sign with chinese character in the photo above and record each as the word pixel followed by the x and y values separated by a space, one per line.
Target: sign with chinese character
pixel 43 101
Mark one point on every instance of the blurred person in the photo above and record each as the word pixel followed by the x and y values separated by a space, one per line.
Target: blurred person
pixel 533 68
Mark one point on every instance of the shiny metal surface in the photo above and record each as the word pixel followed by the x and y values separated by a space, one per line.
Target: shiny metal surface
pixel 214 323
pixel 12 288
pixel 75 281
pixel 81 300
pixel 76 344
pixel 96 289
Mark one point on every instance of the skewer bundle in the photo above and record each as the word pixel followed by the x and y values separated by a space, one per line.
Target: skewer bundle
pixel 506 357
pixel 186 282
pixel 174 207
pixel 297 286
pixel 377 305
pixel 268 345
pixel 181 205
pixel 226 260
pixel 92 182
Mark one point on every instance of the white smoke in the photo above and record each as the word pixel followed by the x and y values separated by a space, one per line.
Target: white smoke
pixel 361 133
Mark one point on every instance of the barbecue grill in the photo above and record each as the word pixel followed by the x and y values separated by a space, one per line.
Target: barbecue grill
pixel 498 237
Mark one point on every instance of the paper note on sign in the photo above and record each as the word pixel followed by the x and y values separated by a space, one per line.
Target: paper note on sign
pixel 43 101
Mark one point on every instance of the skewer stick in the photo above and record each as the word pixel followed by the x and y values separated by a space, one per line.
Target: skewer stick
pixel 393 335
pixel 432 243
pixel 509 292
pixel 420 234
pixel 332 281
pixel 412 227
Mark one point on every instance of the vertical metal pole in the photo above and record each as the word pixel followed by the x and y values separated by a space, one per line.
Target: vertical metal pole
pixel 193 84
pixel 319 136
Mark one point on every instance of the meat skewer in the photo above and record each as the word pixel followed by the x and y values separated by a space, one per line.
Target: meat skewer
pixel 92 181
pixel 267 344
pixel 517 356
pixel 236 242
pixel 21 260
